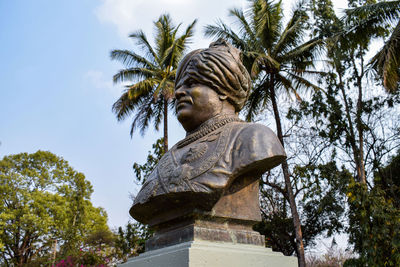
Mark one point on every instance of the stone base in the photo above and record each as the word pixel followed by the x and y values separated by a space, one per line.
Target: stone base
pixel 218 230
pixel 210 254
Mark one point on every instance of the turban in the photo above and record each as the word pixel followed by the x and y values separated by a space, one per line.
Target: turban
pixel 220 68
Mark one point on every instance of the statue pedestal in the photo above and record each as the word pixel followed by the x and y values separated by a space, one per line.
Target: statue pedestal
pixel 201 253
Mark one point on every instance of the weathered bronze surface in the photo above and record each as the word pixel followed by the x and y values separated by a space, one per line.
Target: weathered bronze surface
pixel 206 186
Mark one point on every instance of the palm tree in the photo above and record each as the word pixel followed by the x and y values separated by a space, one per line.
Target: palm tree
pixel 368 19
pixel 153 76
pixel 278 59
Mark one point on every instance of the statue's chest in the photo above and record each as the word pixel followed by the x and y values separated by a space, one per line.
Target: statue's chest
pixel 183 164
pixel 178 169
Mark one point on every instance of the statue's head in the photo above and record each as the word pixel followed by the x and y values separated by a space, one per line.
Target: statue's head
pixel 210 82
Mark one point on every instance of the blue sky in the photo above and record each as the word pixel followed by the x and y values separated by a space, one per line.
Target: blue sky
pixel 56 84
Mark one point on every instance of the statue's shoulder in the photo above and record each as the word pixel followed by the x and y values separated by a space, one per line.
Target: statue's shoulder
pixel 256 132
pixel 257 145
pixel 251 127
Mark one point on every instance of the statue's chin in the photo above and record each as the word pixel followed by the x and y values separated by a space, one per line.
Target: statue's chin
pixel 185 118
pixel 183 114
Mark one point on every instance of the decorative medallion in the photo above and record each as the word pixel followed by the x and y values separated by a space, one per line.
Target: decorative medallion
pixel 195 152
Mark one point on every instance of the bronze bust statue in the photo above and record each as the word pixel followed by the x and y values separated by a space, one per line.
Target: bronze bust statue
pixel 212 174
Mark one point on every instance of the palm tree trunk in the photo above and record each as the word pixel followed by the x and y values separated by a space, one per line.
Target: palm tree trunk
pixel 165 125
pixel 289 190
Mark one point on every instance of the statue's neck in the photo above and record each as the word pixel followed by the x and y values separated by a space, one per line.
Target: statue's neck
pixel 208 127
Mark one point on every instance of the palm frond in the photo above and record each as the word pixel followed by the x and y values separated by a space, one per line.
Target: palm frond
pixel 133 74
pixel 165 34
pixel 267 20
pixel 130 59
pixel 152 74
pixel 182 43
pixel 123 107
pixel 144 44
pixel 286 83
pixel 304 51
pixel 253 105
pixel 263 62
pixel 143 116
pixel 221 30
pixel 294 31
pixel 159 90
pixel 142 88
pixel 386 11
pixel 158 112
pixel 387 61
pixel 245 28
pixel 299 82
pixel 131 99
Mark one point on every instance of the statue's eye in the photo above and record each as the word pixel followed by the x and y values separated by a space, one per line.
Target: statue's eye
pixel 190 82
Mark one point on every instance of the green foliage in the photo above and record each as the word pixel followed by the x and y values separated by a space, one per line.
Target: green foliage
pixel 322 203
pixel 387 179
pixel 370 19
pixel 375 218
pixel 43 199
pixel 279 232
pixel 100 238
pixel 82 258
pixel 277 56
pixel 144 170
pixel 322 207
pixel 131 240
pixel 373 215
pixel 362 126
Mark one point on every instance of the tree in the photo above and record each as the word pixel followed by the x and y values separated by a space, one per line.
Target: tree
pixel 131 240
pixel 317 186
pixel 347 72
pixel 377 238
pixel 361 123
pixel 350 95
pixel 142 171
pixel 370 17
pixel 153 75
pixel 278 58
pixel 44 204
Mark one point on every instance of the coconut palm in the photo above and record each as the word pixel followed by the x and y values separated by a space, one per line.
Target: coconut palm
pixel 366 20
pixel 278 59
pixel 153 74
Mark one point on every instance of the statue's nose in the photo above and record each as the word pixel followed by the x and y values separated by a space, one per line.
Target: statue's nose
pixel 180 92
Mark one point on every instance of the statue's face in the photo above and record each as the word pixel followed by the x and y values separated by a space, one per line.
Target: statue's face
pixel 196 103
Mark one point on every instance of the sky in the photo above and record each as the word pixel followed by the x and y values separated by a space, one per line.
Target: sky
pixel 56 87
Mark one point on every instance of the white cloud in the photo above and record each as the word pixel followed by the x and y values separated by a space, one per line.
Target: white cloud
pixel 97 80
pixel 120 13
pixel 131 15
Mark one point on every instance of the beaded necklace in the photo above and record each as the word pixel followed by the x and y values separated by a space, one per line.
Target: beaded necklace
pixel 206 128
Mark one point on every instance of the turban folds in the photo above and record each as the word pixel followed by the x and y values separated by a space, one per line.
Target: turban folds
pixel 220 68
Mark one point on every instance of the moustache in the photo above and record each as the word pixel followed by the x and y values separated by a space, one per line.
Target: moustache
pixel 184 100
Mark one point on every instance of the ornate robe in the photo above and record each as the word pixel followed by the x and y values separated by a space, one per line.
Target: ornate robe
pixel 199 169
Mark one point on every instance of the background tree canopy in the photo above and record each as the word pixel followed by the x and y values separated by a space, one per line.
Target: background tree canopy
pixel 44 202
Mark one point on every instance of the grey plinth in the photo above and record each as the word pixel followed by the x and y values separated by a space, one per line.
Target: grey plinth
pixel 200 253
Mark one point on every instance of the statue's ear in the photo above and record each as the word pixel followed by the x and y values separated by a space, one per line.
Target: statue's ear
pixel 223 97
